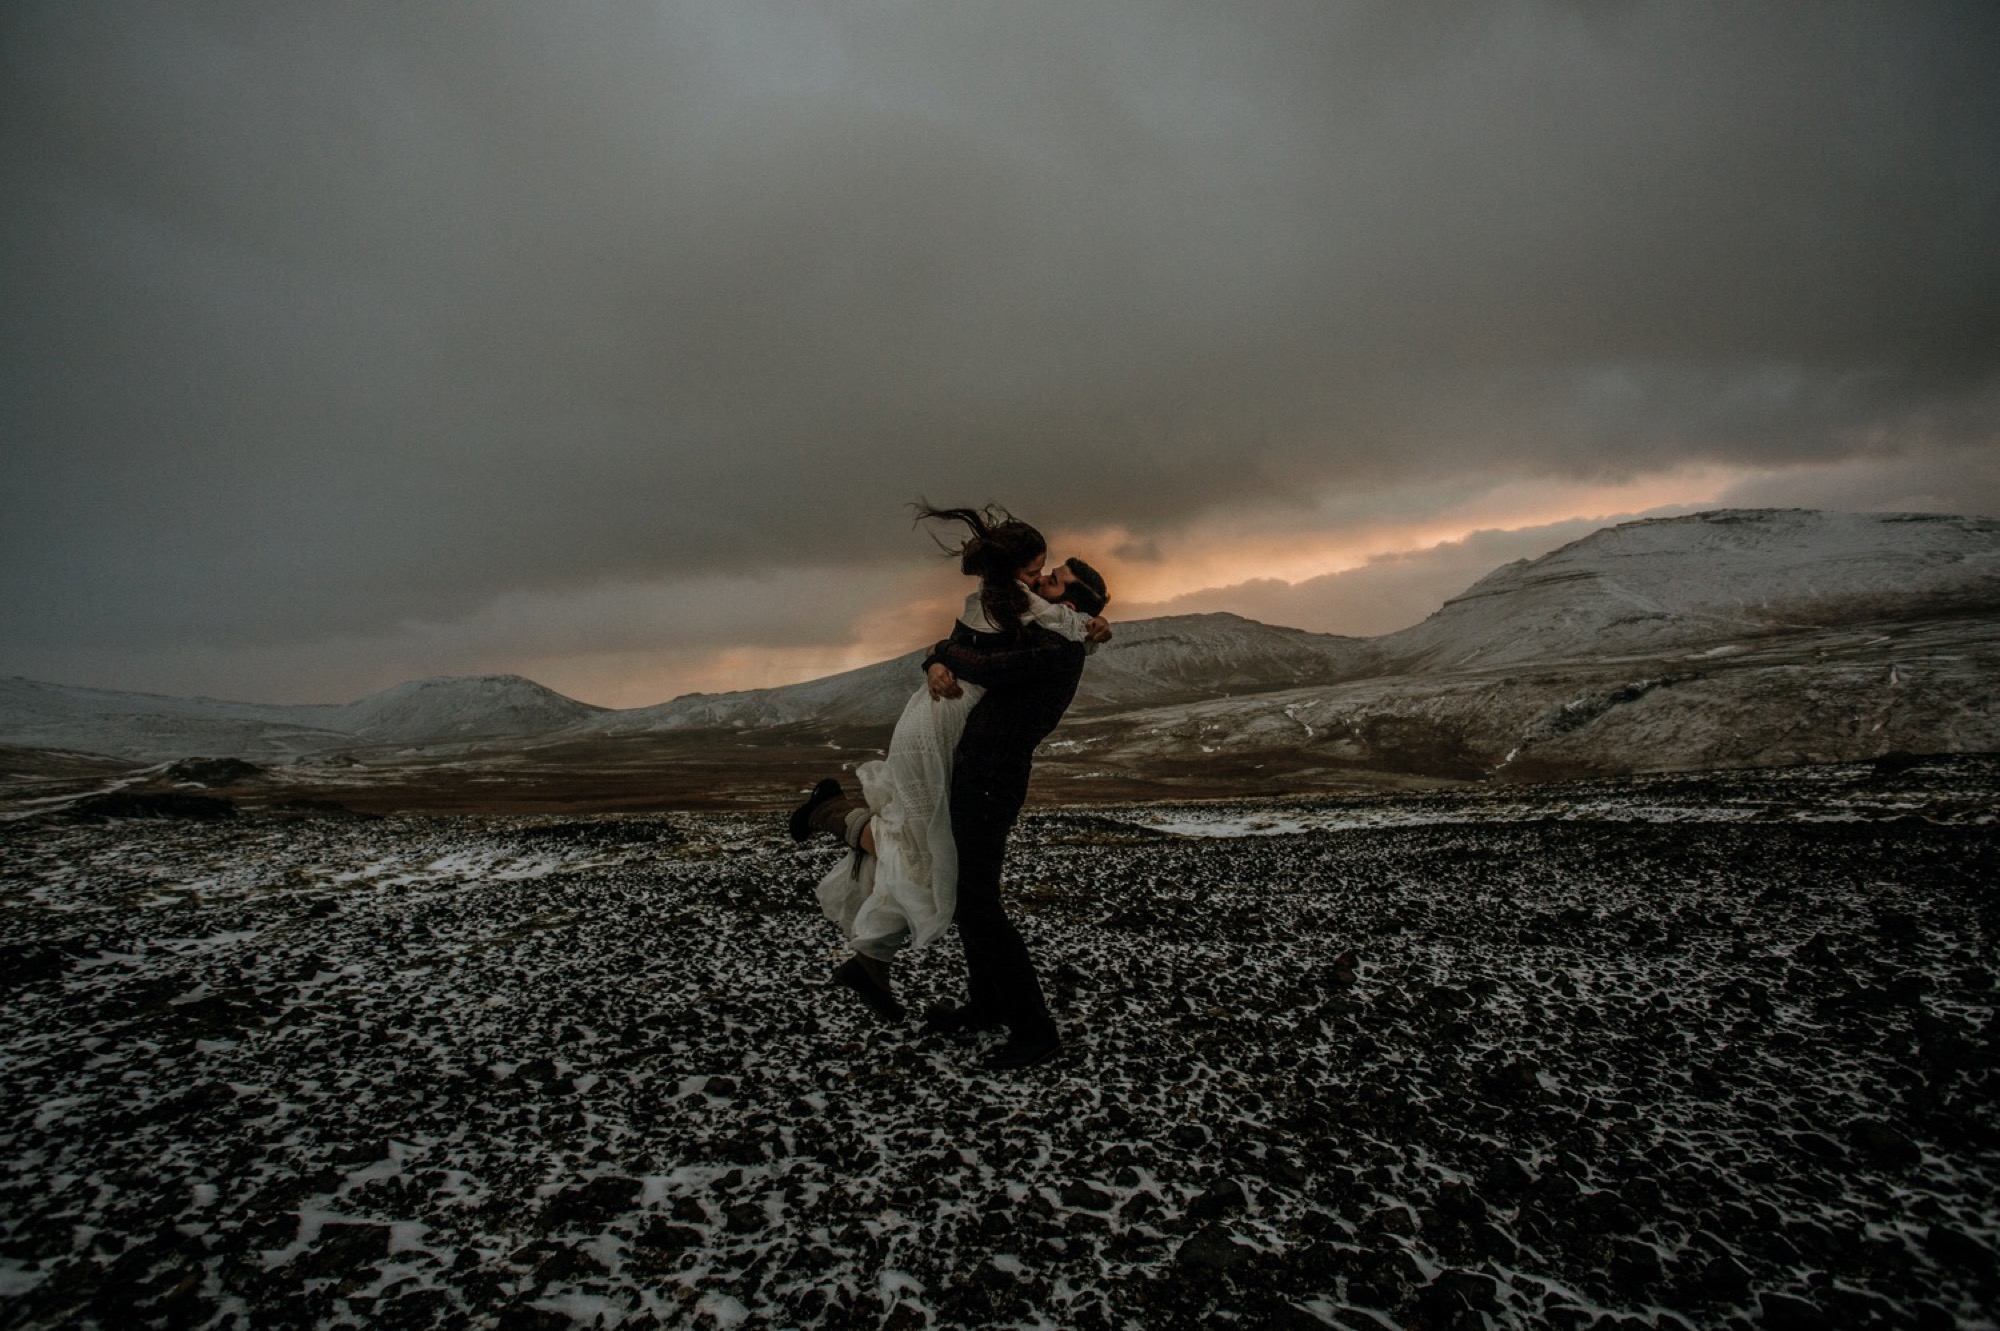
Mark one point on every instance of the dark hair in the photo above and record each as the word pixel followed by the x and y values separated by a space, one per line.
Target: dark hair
pixel 998 546
pixel 1087 593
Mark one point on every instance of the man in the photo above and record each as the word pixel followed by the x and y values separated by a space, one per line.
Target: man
pixel 1030 678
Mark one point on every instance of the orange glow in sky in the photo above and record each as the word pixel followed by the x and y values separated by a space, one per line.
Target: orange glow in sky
pixel 642 678
pixel 1223 555
pixel 1220 553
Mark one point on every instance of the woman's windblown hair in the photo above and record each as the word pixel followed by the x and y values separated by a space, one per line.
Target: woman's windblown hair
pixel 998 545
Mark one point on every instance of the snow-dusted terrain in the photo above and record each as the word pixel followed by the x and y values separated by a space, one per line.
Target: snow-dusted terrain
pixel 1671 1052
pixel 1671 584
pixel 1831 696
pixel 150 727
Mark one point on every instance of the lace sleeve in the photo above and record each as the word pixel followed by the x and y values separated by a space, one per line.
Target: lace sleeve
pixel 1058 617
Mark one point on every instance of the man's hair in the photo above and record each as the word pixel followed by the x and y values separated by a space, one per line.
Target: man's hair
pixel 1087 593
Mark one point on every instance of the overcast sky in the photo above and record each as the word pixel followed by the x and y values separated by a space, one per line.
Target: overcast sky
pixel 346 343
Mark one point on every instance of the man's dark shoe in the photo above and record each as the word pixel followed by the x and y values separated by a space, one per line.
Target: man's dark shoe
pixel 879 1000
pixel 953 1019
pixel 1024 1051
pixel 801 824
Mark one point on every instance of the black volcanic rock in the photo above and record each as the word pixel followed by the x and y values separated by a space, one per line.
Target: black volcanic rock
pixel 1082 1196
pixel 601 832
pixel 213 771
pixel 659 1234
pixel 1957 1248
pixel 1459 1203
pixel 1213 1248
pixel 135 804
pixel 1507 1177
pixel 1723 1280
pixel 1883 1143
pixel 1221 1200
pixel 343 1246
pixel 593 1202
pixel 208 1079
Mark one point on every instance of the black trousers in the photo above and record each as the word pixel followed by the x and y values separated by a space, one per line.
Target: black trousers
pixel 986 800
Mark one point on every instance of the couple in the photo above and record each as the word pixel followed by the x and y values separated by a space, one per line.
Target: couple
pixel 927 837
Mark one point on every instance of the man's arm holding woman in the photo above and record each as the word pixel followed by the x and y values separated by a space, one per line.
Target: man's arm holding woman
pixel 1036 656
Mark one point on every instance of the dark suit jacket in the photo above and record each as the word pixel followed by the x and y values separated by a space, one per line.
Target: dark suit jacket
pixel 1030 678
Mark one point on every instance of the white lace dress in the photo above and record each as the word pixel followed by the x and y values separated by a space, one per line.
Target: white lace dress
pixel 905 893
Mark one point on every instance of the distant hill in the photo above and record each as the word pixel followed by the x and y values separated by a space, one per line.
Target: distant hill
pixel 1663 583
pixel 1149 661
pixel 1730 637
pixel 1641 588
pixel 431 711
pixel 36 715
pixel 148 726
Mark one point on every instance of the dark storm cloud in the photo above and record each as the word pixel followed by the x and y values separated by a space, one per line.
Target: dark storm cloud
pixel 323 319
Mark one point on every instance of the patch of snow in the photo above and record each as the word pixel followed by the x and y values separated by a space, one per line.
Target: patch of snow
pixel 725 1309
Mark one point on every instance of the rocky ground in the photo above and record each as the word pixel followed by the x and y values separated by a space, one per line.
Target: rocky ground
pixel 1680 1052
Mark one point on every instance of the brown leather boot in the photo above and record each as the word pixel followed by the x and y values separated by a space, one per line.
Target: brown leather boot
pixel 836 818
pixel 869 979
pixel 802 824
pixel 829 811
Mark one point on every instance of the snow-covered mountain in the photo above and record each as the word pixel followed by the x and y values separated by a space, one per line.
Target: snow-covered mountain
pixel 150 726
pixel 1728 635
pixel 1148 662
pixel 1817 696
pixel 870 696
pixel 1200 656
pixel 1659 585
pixel 1665 583
pixel 442 710
pixel 36 715
pixel 1727 639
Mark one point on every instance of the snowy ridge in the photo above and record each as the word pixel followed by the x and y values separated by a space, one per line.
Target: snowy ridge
pixel 1215 653
pixel 35 715
pixel 1150 661
pixel 1653 624
pixel 1655 586
pixel 1666 583
pixel 151 726
pixel 426 711
pixel 1819 697
pixel 872 695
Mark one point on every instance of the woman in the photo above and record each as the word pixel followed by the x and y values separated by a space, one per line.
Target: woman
pixel 897 887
